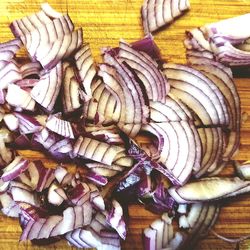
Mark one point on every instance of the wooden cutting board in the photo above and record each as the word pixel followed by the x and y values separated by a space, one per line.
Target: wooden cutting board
pixel 104 22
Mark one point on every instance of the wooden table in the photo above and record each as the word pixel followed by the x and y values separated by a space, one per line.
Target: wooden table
pixel 104 22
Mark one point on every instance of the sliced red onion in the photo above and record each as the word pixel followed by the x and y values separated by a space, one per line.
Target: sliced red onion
pixel 171 110
pixel 49 11
pixel 30 212
pixel 86 68
pixel 23 193
pixel 46 138
pixel 8 50
pixel 156 14
pixel 209 189
pixel 187 85
pixel 11 122
pixel 102 108
pixel 27 124
pixel 26 24
pixel 179 160
pixel 9 206
pixel 105 170
pixel 40 177
pixel 46 91
pixel 59 126
pixel 10 73
pixel 14 169
pixel 117 82
pixel 71 90
pixel 2 96
pixel 98 234
pixel 212 148
pixel 19 98
pixel 61 150
pixel 97 179
pixel 96 150
pixel 47 34
pixel 63 176
pixel 79 194
pixel 49 55
pixel 105 134
pixel 72 218
pixel 122 84
pixel 31 69
pixel 148 46
pixel 6 155
pixel 96 199
pixel 116 220
pixel 56 195
pixel 147 70
pixel 243 170
pixel 27 83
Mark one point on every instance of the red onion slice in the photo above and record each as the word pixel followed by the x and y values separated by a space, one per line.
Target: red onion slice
pixel 209 189
pixel 49 11
pixel 10 73
pixel 11 122
pixel 125 80
pixel 14 169
pixel 85 66
pixel 157 13
pixel 96 150
pixel 19 98
pixel 27 124
pixel 214 102
pixel 26 24
pixel 46 91
pixel 97 179
pixel 148 46
pixel 70 90
pixel 60 127
pixel 47 34
pixel 147 70
pixel 102 108
pixel 49 55
pixel 8 51
pixel 116 220
pixel 9 206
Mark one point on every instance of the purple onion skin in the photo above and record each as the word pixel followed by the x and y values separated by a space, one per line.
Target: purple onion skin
pixel 148 46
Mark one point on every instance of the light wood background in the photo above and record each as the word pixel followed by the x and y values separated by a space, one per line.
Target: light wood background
pixel 104 22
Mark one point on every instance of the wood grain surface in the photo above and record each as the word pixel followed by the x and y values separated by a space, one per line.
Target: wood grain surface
pixel 104 22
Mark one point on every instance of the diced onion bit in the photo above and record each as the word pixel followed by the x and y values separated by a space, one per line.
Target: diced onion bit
pixel 138 129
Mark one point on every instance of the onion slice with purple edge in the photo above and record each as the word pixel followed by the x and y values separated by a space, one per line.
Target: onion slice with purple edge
pixel 85 68
pixel 46 91
pixel 27 124
pixel 97 179
pixel 60 127
pixel 147 70
pixel 156 14
pixel 14 169
pixel 95 150
pixel 72 218
pixel 47 34
pixel 116 220
pixel 102 108
pixel 189 85
pixel 8 50
pixel 70 90
pixel 49 55
pixel 208 189
pixel 19 98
